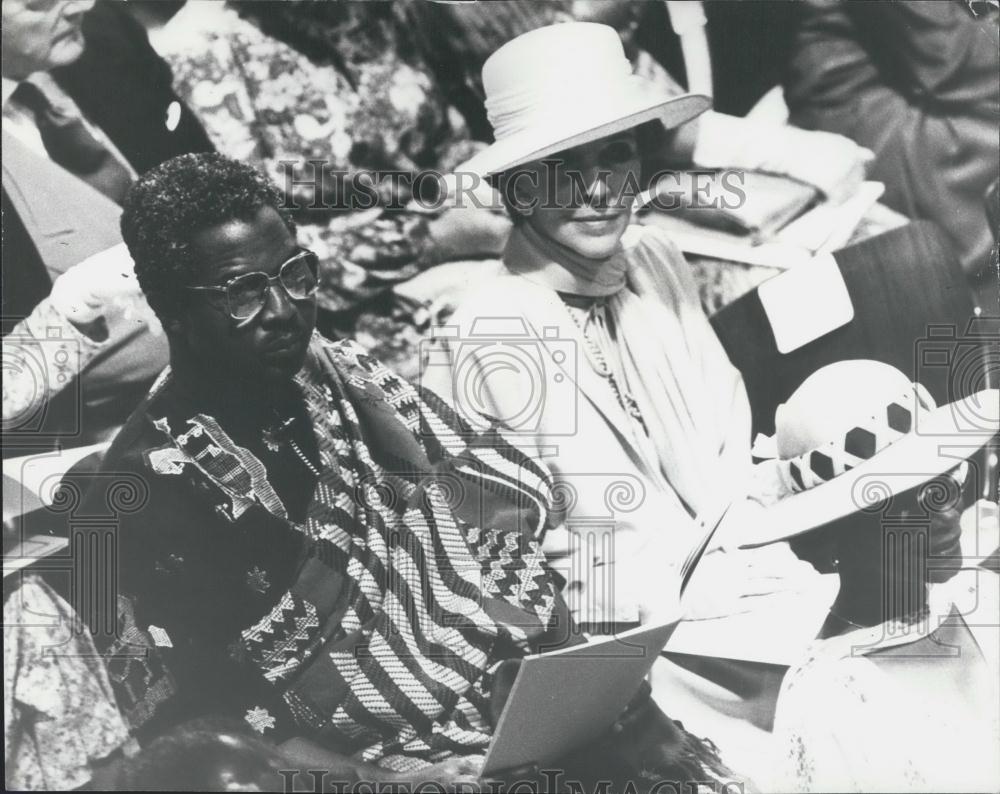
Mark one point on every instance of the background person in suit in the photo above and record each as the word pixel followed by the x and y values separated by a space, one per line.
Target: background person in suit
pixel 78 123
pixel 126 89
pixel 917 84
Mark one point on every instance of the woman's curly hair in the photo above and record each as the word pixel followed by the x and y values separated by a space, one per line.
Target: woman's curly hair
pixel 171 203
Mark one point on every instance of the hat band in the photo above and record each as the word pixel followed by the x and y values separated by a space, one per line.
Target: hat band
pixel 518 111
pixel 859 444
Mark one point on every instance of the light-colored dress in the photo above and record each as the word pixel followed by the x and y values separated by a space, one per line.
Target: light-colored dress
pixel 60 714
pixel 895 707
pixel 634 496
pixel 634 500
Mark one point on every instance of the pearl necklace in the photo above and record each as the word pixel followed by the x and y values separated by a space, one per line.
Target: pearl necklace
pixel 601 366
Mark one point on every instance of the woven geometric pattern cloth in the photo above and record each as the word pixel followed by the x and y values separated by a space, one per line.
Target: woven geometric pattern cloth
pixel 140 681
pixel 427 528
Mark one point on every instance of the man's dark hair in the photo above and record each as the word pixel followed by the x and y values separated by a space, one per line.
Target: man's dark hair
pixel 199 756
pixel 173 202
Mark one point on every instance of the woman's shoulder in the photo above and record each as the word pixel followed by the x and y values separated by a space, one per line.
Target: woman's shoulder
pixel 645 240
pixel 658 266
pixel 196 25
pixel 501 294
pixel 839 668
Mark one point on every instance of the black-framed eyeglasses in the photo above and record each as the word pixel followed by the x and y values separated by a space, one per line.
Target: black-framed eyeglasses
pixel 246 294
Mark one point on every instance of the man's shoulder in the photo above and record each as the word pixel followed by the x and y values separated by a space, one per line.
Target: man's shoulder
pixel 114 39
pixel 343 354
pixel 339 347
pixel 347 358
pixel 155 457
pixel 126 484
pixel 142 432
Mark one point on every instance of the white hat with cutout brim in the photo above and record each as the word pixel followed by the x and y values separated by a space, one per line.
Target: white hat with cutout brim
pixel 856 433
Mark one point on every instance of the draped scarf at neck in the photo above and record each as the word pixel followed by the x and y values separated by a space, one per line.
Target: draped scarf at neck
pixel 541 259
pixel 688 393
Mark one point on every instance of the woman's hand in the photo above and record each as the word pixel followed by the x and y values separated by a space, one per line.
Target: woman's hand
pixel 734 582
pixel 941 501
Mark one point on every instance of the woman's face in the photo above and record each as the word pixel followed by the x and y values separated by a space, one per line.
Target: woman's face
pixel 582 197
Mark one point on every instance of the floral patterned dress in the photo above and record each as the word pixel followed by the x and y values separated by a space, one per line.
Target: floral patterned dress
pixel 59 710
pixel 354 103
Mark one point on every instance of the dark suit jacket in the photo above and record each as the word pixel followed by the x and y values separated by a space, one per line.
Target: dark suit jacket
pixel 917 84
pixel 125 88
pixel 61 220
pixel 747 42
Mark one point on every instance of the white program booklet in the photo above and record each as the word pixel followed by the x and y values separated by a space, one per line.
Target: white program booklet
pixel 563 699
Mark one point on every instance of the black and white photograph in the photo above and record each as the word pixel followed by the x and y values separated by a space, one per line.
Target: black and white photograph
pixel 501 396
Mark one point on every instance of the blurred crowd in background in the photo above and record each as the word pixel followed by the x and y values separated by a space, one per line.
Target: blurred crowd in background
pixel 829 94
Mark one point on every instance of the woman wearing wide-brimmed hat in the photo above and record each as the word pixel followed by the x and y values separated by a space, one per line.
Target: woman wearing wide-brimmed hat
pixel 592 344
pixel 900 690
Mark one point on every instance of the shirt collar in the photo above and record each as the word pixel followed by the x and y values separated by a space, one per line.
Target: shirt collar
pixel 40 79
pixel 9 87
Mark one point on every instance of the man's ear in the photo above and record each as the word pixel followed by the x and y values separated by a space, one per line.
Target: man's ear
pixel 172 325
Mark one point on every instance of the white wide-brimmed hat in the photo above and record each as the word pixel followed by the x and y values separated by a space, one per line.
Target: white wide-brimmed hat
pixel 563 85
pixel 854 434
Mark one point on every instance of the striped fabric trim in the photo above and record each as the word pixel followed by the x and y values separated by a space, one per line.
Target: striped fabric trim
pixel 417 625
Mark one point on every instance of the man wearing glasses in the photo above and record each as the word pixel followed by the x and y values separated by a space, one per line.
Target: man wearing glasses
pixel 292 556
